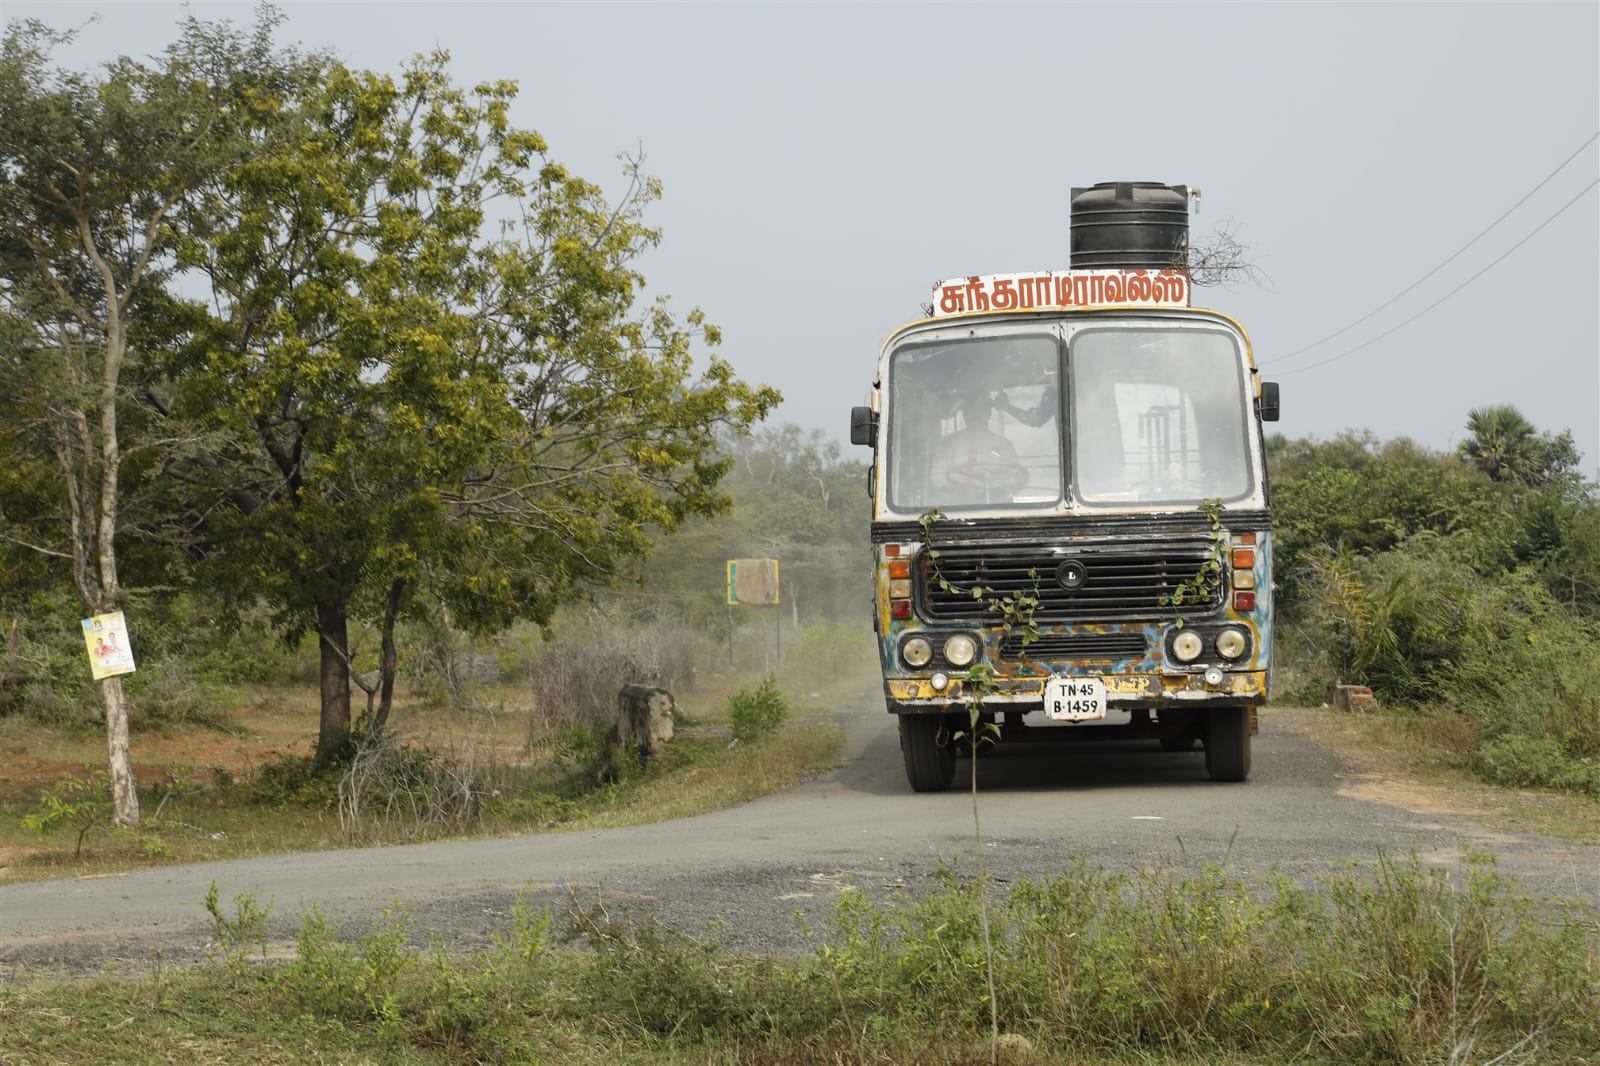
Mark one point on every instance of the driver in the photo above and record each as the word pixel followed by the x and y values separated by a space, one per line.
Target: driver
pixel 976 464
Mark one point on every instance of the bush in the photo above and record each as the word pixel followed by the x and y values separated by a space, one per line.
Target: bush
pixel 1430 633
pixel 395 791
pixel 587 756
pixel 574 678
pixel 44 674
pixel 753 715
pixel 293 781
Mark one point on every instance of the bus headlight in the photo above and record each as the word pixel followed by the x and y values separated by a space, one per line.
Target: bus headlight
pixel 960 650
pixel 917 652
pixel 1231 643
pixel 1187 646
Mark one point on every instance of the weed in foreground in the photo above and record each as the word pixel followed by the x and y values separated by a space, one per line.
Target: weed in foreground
pixel 1386 963
pixel 247 927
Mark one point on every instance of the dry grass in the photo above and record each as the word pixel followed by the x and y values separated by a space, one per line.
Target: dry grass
pixel 191 777
pixel 1415 763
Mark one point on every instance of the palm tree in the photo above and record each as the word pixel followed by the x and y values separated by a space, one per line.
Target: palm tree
pixel 1504 445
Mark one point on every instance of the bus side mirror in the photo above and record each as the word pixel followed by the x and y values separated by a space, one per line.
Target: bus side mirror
pixel 863 426
pixel 1267 404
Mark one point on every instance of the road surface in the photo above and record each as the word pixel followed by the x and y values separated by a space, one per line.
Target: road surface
pixel 740 875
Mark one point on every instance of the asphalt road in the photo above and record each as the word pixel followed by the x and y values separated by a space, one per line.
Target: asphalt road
pixel 740 875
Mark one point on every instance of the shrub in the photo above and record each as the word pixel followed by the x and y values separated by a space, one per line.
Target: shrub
pixel 574 678
pixel 81 803
pixel 755 714
pixel 1427 631
pixel 293 781
pixel 392 790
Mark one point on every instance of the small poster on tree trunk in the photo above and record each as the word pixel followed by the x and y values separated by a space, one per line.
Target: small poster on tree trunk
pixel 106 636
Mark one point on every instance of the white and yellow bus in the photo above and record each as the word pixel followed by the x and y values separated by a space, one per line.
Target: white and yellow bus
pixel 1070 512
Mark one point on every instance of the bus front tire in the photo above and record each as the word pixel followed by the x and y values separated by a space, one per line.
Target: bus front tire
pixel 930 757
pixel 1228 744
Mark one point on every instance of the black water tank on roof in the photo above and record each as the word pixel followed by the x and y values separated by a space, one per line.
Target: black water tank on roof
pixel 1130 225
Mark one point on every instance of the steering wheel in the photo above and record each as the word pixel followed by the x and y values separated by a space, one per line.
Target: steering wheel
pixel 1007 477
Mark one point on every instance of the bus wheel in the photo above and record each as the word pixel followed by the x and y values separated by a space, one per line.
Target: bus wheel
pixel 929 753
pixel 1228 744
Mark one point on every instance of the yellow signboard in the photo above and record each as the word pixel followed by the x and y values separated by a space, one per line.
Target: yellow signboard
pixel 106 636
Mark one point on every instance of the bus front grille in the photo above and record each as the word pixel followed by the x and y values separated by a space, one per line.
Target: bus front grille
pixel 1074 582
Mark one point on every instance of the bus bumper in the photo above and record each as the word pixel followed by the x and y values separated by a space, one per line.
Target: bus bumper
pixel 1123 692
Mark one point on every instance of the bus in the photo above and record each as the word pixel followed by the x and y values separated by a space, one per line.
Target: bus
pixel 1070 521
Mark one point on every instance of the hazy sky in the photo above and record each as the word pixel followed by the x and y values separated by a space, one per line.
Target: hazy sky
pixel 824 164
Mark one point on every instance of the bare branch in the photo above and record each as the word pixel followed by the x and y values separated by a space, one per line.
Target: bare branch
pixel 41 549
pixel 1219 259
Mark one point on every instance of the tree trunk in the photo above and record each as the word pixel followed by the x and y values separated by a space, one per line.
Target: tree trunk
pixel 333 640
pixel 391 656
pixel 124 796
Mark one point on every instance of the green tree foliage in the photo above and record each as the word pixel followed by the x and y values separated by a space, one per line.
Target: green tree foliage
pixel 95 171
pixel 1357 496
pixel 1453 588
pixel 421 377
pixel 1506 446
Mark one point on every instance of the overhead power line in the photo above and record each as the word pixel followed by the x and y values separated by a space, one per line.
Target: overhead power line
pixel 1403 292
pixel 1395 329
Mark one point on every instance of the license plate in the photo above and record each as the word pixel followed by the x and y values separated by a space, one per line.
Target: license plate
pixel 1075 699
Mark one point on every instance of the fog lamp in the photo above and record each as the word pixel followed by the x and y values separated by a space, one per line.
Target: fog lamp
pixel 1213 677
pixel 939 680
pixel 960 650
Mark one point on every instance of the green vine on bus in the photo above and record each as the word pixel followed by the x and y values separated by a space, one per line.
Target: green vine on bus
pixel 1016 610
pixel 1208 578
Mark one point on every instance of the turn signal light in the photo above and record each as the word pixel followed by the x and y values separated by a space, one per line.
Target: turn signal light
pixel 900 568
pixel 899 608
pixel 1242 601
pixel 1244 558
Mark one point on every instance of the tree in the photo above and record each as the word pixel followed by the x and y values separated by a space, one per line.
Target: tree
pixel 1505 445
pixel 94 171
pixel 421 377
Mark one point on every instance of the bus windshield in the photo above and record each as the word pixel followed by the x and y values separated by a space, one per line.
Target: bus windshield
pixel 1152 415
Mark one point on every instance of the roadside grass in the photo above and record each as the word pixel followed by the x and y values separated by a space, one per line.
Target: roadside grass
pixel 1389 962
pixel 249 788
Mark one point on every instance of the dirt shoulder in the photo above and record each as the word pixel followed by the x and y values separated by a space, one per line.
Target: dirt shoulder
pixel 1382 764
